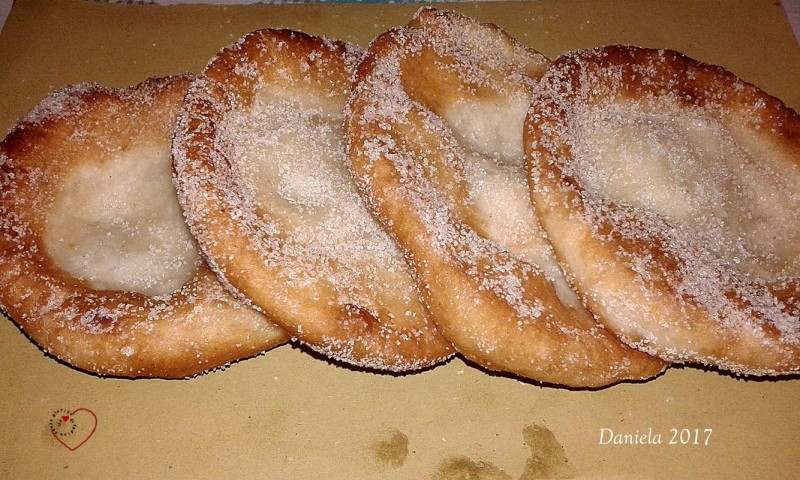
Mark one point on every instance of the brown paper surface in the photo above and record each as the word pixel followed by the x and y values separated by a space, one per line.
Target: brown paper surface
pixel 287 414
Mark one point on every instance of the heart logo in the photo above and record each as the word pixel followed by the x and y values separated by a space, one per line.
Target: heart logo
pixel 73 428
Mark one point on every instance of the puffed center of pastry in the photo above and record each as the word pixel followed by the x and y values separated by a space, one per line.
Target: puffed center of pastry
pixel 289 150
pixel 117 225
pixel 718 182
pixel 490 132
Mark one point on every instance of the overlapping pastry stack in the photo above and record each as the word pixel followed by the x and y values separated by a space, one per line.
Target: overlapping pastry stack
pixel 579 222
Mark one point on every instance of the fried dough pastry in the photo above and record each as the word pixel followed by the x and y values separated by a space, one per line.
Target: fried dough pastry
pixel 670 190
pixel 263 180
pixel 97 265
pixel 434 135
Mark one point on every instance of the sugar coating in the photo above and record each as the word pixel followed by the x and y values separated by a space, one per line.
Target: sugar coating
pixel 290 157
pixel 85 178
pixel 325 268
pixel 117 225
pixel 499 194
pixel 482 137
pixel 650 147
pixel 435 136
pixel 700 176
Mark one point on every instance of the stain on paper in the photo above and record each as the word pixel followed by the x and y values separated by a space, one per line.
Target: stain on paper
pixel 463 468
pixel 547 459
pixel 392 450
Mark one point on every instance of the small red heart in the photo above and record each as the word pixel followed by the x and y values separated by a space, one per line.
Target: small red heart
pixel 87 427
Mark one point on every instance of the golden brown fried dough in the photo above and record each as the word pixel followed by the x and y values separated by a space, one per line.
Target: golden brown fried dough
pixel 671 192
pixel 263 180
pixel 434 135
pixel 97 264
